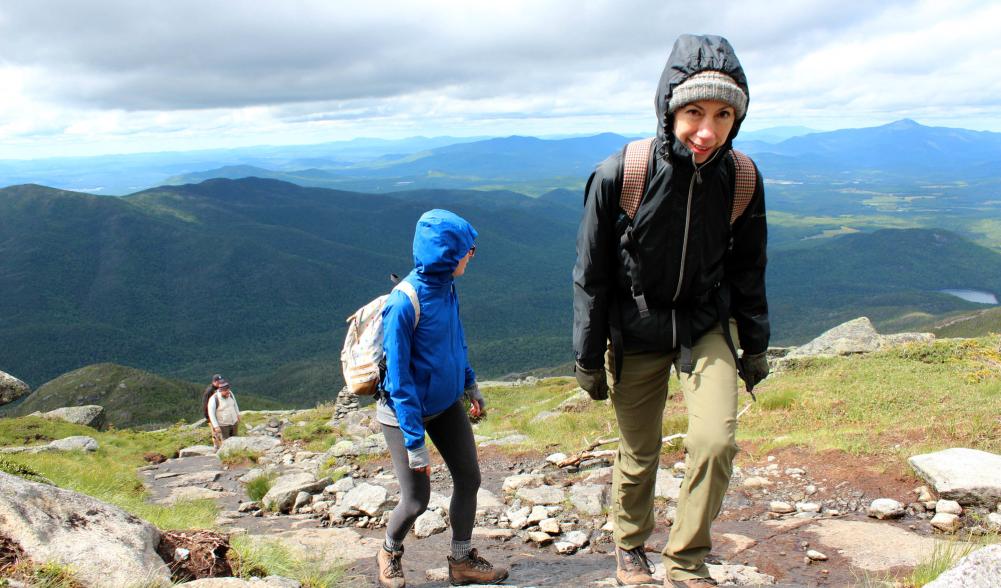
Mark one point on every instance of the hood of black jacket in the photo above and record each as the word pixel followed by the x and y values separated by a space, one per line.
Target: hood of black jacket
pixel 693 54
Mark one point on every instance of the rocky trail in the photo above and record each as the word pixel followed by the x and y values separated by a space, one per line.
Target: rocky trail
pixel 792 518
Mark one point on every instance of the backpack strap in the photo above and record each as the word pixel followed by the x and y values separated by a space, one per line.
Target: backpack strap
pixel 745 180
pixel 408 289
pixel 635 164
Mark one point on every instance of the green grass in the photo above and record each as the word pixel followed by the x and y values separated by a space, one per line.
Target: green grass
pixel 944 556
pixel 240 457
pixel 314 431
pixel 109 474
pixel 262 557
pixel 259 486
pixel 46 575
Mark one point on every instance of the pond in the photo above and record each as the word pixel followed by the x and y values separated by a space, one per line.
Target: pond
pixel 978 296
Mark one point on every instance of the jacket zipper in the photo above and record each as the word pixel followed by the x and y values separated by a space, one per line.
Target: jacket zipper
pixel 697 176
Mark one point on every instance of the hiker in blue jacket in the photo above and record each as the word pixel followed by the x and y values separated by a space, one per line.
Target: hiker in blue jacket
pixel 427 374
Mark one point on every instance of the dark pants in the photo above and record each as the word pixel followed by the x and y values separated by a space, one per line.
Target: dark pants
pixel 226 431
pixel 453 437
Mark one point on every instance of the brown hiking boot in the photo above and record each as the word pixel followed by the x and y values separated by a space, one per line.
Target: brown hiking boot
pixel 632 567
pixel 390 568
pixel 473 569
pixel 690 583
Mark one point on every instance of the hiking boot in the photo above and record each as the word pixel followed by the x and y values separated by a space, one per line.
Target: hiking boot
pixel 473 569
pixel 390 568
pixel 690 583
pixel 632 567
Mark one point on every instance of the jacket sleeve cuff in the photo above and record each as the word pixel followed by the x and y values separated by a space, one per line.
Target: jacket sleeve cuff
pixel 419 457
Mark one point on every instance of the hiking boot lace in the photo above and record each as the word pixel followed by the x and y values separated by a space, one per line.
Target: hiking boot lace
pixel 636 557
pixel 478 562
pixel 395 565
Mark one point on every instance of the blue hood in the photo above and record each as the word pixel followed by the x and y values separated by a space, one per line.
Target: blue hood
pixel 442 238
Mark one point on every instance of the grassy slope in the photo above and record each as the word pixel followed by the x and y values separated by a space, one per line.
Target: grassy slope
pixel 130 397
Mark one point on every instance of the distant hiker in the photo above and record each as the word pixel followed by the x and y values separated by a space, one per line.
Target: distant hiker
pixel 206 396
pixel 224 413
pixel 427 374
pixel 671 278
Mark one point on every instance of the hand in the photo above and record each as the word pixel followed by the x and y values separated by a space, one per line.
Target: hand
pixel 755 369
pixel 593 381
pixel 477 404
pixel 215 429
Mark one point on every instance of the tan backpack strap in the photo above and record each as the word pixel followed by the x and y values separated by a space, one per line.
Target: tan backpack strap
pixel 744 183
pixel 634 169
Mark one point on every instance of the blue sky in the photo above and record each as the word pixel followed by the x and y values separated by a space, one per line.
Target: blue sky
pixel 103 76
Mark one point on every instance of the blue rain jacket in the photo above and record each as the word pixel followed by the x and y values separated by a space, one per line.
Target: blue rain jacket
pixel 427 368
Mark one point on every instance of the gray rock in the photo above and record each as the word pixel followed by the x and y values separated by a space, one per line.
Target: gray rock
pixel 544 416
pixel 550 525
pixel 885 508
pixel 980 569
pixel 514 439
pixel 816 555
pixel 541 495
pixel 285 489
pixel 968 476
pixel 555 458
pixel 196 451
pixel 429 523
pixel 756 482
pixel 540 537
pixel 589 499
pixel 565 548
pixel 105 545
pixel 667 485
pixel 577 538
pixel 579 401
pixel 188 493
pixel 728 574
pixel 369 499
pixel 90 415
pixel 75 443
pixel 780 507
pixel 872 546
pixel 343 448
pixel 491 533
pixel 12 388
pixel 342 485
pixel 538 514
pixel 518 517
pixel 487 500
pixel 253 444
pixel 302 499
pixel 994 521
pixel 194 478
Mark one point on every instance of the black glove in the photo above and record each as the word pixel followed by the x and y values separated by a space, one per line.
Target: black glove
pixel 592 381
pixel 755 369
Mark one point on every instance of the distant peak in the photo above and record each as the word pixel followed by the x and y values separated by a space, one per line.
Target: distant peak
pixel 904 123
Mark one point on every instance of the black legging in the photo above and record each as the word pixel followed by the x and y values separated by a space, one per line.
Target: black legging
pixel 453 437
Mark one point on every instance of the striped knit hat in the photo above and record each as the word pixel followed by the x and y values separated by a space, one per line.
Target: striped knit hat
pixel 709 85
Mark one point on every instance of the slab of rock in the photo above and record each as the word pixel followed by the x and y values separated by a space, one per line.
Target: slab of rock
pixel 492 533
pixel 579 401
pixel 514 439
pixel 370 499
pixel 512 483
pixel 873 546
pixel 487 500
pixel 195 478
pixel 105 545
pixel 667 485
pixel 185 493
pixel 729 574
pixel 74 443
pixel 968 476
pixel 197 451
pixel 980 569
pixel 429 523
pixel 90 415
pixel 589 499
pixel 541 495
pixel 254 444
pixel 885 508
pixel 330 544
pixel 855 336
pixel 284 490
pixel 12 388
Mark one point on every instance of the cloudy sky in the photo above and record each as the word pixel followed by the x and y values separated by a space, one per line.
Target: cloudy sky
pixel 105 76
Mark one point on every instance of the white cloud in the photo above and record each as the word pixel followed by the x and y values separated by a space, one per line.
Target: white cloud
pixel 119 74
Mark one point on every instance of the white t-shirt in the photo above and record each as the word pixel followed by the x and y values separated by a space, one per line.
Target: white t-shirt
pixel 223 411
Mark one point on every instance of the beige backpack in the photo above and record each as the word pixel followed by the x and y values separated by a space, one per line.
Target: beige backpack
pixel 362 357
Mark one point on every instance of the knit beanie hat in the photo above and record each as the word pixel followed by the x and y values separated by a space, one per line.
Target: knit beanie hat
pixel 709 85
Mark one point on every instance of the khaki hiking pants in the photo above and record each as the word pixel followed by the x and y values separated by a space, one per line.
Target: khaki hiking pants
pixel 711 399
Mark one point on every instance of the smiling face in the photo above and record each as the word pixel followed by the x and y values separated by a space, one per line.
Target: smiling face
pixel 703 126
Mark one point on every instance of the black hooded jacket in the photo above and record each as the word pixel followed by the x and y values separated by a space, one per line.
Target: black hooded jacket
pixel 692 260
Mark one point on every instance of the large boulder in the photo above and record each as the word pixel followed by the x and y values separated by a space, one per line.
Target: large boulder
pixel 856 336
pixel 74 443
pixel 11 388
pixel 254 444
pixel 90 415
pixel 980 569
pixel 284 489
pixel 368 499
pixel 969 476
pixel 105 545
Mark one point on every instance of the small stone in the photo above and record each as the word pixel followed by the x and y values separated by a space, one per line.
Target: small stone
pixel 946 522
pixel 540 537
pixel 550 525
pixel 948 507
pixel 780 507
pixel 795 471
pixel 816 555
pixel 181 554
pixel 555 458
pixel 565 548
pixel 756 482
pixel 518 518
pixel 807 507
pixel 810 490
pixel 249 507
pixel 994 521
pixel 429 523
pixel 436 575
pixel 538 514
pixel 885 508
pixel 924 494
